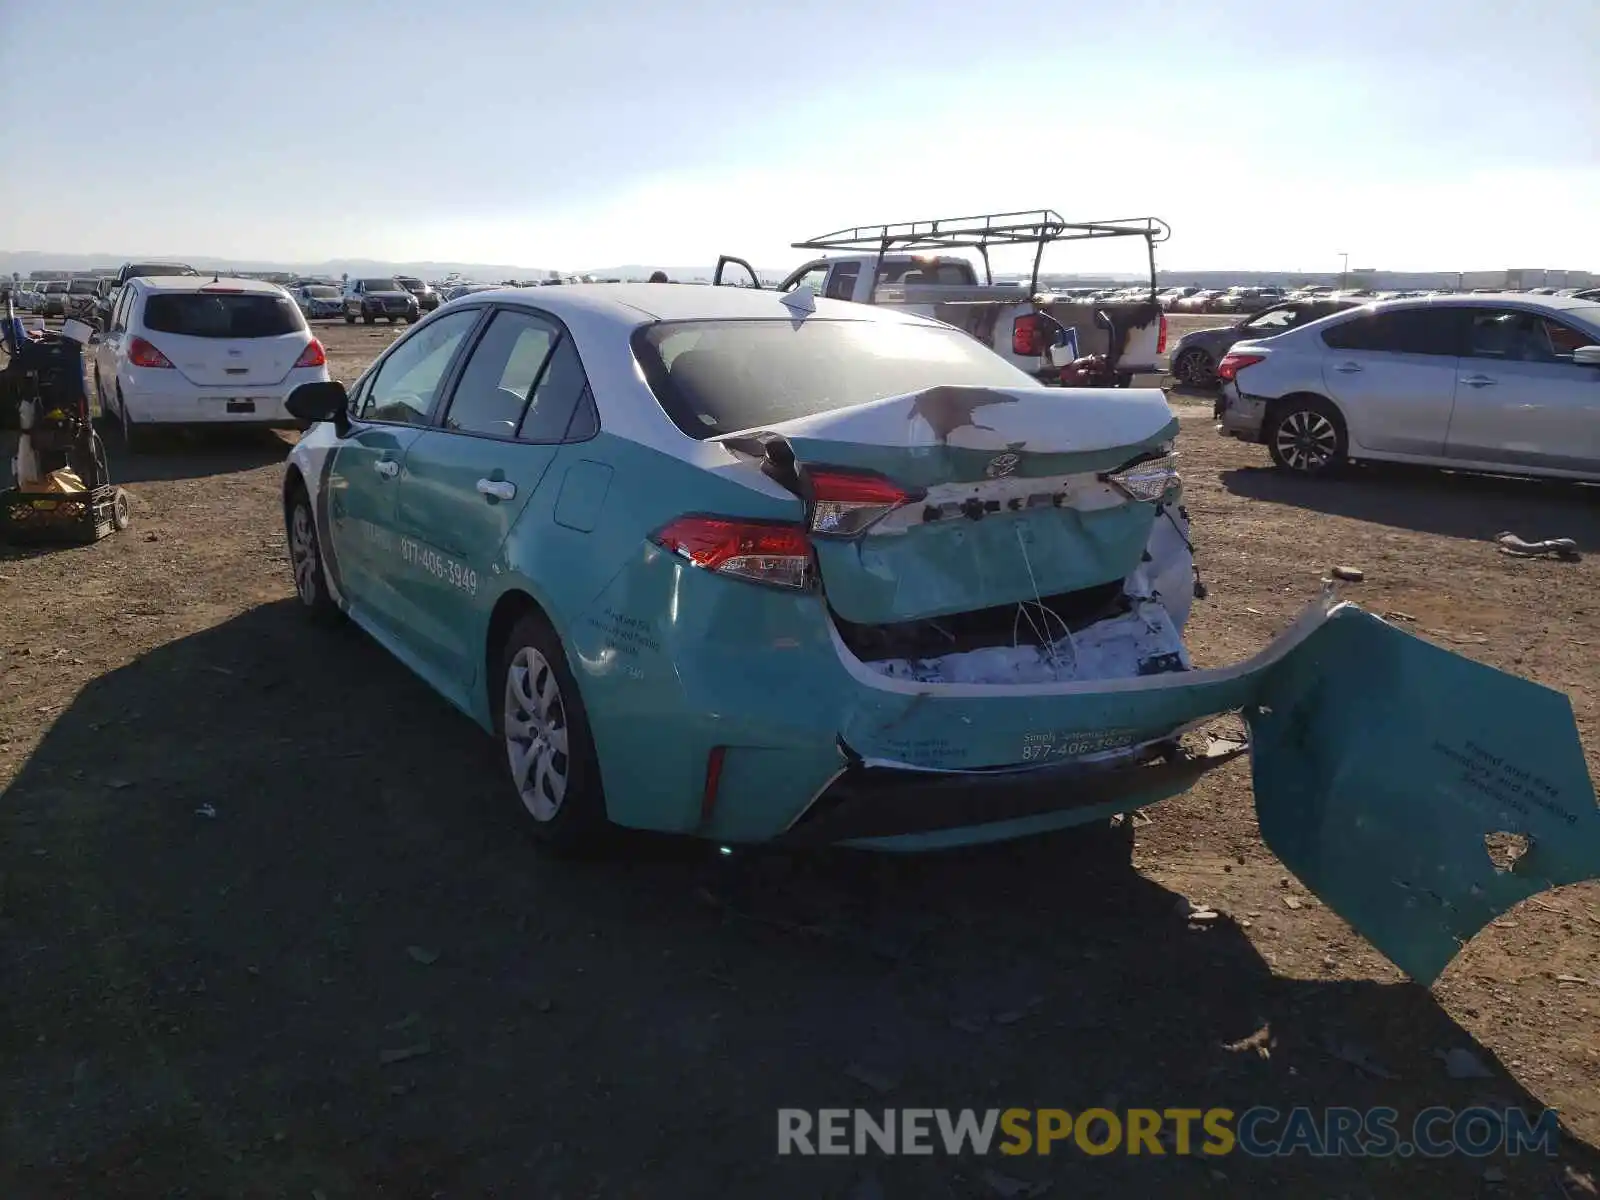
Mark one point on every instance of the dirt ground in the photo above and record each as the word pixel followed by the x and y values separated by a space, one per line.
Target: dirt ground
pixel 267 928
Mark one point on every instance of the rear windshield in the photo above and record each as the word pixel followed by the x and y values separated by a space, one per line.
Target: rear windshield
pixel 715 377
pixel 381 285
pixel 247 315
pixel 921 272
pixel 322 292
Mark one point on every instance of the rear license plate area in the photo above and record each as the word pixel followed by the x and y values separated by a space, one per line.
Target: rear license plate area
pixel 241 406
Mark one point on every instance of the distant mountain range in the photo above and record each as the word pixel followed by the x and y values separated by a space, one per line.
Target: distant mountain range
pixel 24 262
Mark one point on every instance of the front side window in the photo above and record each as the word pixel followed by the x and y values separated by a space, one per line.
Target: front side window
pixel 494 386
pixel 1514 335
pixel 1275 321
pixel 812 278
pixel 842 283
pixel 407 381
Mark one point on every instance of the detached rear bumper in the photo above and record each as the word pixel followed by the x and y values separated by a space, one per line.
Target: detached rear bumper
pixel 885 801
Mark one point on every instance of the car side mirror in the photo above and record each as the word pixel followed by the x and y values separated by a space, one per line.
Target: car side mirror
pixel 1587 356
pixel 327 401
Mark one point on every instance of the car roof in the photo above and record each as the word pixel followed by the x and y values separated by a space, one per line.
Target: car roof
pixel 1478 299
pixel 197 283
pixel 629 302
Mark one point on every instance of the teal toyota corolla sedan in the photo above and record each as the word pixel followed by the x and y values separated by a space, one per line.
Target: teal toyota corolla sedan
pixel 765 567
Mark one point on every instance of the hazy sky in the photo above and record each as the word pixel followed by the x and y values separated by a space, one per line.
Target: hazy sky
pixel 1443 134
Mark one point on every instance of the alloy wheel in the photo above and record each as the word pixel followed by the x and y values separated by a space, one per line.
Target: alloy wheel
pixel 303 554
pixel 536 734
pixel 1307 441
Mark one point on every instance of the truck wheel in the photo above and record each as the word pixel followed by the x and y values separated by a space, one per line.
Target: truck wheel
pixel 349 320
pixel 366 319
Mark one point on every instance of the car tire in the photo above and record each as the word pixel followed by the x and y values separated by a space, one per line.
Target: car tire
pixel 305 557
pixel 366 319
pixel 411 320
pixel 1194 368
pixel 134 439
pixel 1306 435
pixel 544 735
pixel 349 320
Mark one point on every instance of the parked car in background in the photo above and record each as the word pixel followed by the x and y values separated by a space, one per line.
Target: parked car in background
pixel 52 300
pixel 194 350
pixel 80 297
pixel 1197 302
pixel 1591 294
pixel 427 297
pixel 379 298
pixel 1247 299
pixel 105 297
pixel 1169 298
pixel 1499 383
pixel 318 300
pixel 137 270
pixel 1195 357
pixel 469 289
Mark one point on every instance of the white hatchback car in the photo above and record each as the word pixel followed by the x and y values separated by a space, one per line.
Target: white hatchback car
pixel 190 351
pixel 1493 383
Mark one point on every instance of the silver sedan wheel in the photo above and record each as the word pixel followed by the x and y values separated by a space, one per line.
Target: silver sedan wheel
pixel 536 734
pixel 303 553
pixel 1307 440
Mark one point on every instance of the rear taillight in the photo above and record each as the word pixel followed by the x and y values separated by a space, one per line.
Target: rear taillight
pixel 773 553
pixel 844 503
pixel 1146 479
pixel 1161 338
pixel 142 354
pixel 1231 364
pixel 313 355
pixel 1027 336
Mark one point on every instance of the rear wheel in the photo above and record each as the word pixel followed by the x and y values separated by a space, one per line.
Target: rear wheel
pixel 1306 435
pixel 349 320
pixel 1195 368
pixel 134 439
pixel 544 729
pixel 366 318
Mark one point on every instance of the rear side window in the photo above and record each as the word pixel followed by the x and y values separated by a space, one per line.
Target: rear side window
pixel 211 315
pixel 494 386
pixel 716 377
pixel 560 392
pixel 1435 331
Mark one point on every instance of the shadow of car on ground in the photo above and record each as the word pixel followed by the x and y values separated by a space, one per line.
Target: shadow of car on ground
pixel 268 929
pixel 1425 500
pixel 191 453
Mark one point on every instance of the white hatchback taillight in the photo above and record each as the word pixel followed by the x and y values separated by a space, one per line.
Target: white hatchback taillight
pixel 312 356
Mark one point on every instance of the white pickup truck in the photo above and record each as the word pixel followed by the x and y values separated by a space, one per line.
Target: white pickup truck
pixel 1039 331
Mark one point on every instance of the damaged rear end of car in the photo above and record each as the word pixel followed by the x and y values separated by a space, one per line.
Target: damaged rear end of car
pixel 919 601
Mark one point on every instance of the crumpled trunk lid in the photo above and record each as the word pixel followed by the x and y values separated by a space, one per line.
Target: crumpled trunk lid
pixel 1006 505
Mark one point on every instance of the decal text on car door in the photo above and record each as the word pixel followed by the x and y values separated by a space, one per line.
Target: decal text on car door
pixel 441 566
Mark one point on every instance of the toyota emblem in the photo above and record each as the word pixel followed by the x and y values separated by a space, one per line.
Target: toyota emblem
pixel 1001 465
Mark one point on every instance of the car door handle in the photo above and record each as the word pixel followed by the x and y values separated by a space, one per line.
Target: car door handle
pixel 387 467
pixel 499 489
pixel 1348 368
pixel 1478 381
